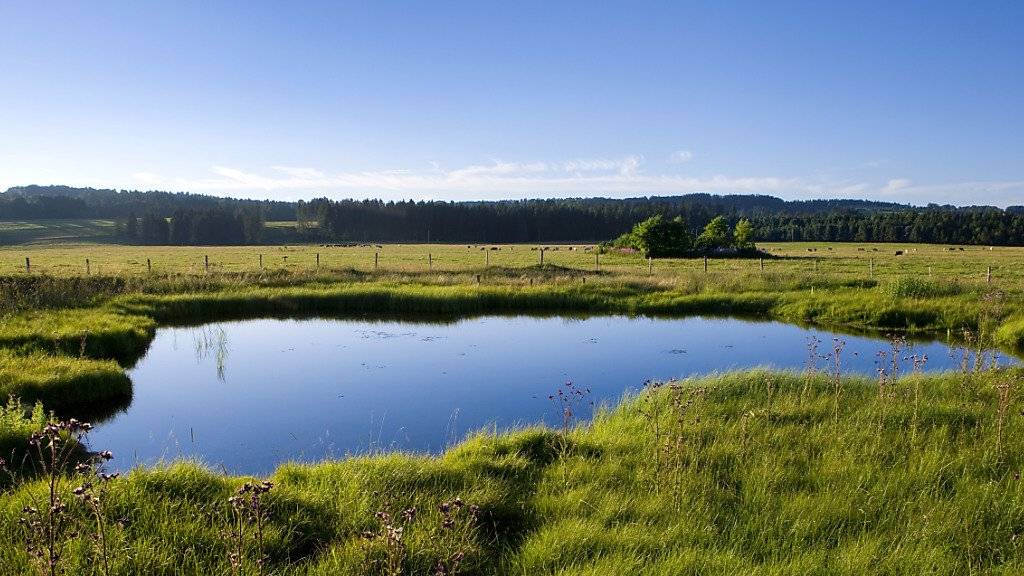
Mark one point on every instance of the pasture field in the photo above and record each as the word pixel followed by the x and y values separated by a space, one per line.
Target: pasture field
pixel 965 264
pixel 750 472
pixel 33 232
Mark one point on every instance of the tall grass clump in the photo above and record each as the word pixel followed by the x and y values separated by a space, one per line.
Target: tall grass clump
pixel 17 424
pixel 65 385
pixel 915 287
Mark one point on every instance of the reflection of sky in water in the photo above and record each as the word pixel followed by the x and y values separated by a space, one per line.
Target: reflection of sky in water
pixel 248 395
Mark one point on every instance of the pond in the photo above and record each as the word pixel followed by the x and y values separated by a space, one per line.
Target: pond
pixel 244 396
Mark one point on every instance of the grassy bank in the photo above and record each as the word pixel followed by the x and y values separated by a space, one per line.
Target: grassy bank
pixel 744 473
pixel 49 318
pixel 66 385
pixel 120 324
pixel 754 472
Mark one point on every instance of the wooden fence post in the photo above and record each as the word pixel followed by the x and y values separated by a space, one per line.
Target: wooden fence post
pixel 597 261
pixel 206 262
pixel 487 257
pixel 815 264
pixel 87 267
pixel 871 267
pixel 705 264
pixel 28 265
pixel 149 266
pixel 261 261
pixel 761 261
pixel 376 255
pixel 317 260
pixel 989 275
pixel 650 265
pixel 542 256
pixel 430 261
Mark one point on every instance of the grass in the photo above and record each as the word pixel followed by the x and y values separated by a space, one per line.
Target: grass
pixel 93 332
pixel 849 261
pixel 66 385
pixel 750 472
pixel 121 325
pixel 56 231
pixel 17 424
pixel 106 315
pixel 756 476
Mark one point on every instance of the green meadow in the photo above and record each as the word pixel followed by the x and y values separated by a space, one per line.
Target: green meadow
pixel 961 264
pixel 45 232
pixel 743 473
pixel 740 473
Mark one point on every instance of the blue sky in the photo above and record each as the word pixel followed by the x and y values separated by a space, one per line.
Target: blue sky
pixel 910 101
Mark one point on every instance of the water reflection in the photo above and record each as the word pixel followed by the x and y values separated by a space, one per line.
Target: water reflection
pixel 211 341
pixel 250 394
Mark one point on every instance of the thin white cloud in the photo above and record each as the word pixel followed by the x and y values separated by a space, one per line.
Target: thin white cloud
pixel 583 165
pixel 300 172
pixel 896 185
pixel 622 176
pixel 988 193
pixel 615 177
pixel 146 177
pixel 630 166
pixel 498 169
pixel 680 157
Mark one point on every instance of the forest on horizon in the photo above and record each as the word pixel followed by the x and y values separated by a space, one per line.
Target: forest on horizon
pixel 154 217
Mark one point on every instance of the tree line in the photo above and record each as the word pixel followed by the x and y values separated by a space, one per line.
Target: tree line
pixel 601 219
pixel 935 225
pixel 208 227
pixel 66 202
pixel 182 218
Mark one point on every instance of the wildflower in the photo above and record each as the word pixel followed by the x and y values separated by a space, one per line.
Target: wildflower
pixel 395 533
pixel 409 514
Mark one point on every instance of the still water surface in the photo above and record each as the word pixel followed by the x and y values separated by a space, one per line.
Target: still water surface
pixel 248 395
